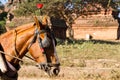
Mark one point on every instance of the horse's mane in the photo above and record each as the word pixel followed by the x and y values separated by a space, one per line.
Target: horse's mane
pixel 24 27
pixel 19 29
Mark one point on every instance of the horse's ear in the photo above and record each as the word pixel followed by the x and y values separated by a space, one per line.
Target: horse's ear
pixel 37 23
pixel 44 20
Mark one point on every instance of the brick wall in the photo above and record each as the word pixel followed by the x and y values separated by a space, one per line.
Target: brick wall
pixel 103 33
pixel 99 26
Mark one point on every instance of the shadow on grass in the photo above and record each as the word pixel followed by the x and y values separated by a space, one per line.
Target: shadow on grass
pixel 105 42
pixel 69 41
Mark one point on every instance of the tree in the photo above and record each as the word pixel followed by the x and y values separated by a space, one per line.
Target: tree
pixel 56 8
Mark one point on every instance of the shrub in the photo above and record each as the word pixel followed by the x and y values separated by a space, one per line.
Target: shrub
pixel 2 27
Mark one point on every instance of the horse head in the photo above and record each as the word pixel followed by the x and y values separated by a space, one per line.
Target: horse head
pixel 42 48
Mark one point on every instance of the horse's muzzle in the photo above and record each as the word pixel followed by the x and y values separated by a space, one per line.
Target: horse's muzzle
pixel 51 69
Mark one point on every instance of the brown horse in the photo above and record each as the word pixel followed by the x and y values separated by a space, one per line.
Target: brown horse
pixel 33 38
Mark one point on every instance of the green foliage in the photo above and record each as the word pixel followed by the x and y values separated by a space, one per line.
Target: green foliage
pixel 2 26
pixel 29 7
pixel 26 9
pixel 3 16
pixel 11 24
pixel 2 23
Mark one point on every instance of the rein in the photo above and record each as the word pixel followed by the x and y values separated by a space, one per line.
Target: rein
pixel 11 56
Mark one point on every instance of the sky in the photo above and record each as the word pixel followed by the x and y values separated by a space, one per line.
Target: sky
pixel 3 1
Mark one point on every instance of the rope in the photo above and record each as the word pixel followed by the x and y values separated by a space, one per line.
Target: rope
pixel 17 57
pixel 11 56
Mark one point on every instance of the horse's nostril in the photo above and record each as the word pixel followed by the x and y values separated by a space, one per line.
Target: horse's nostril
pixel 53 71
pixel 56 71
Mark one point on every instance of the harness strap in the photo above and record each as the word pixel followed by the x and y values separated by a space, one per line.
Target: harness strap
pixel 15 50
pixel 33 40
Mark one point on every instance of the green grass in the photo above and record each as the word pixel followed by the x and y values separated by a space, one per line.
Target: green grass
pixel 86 50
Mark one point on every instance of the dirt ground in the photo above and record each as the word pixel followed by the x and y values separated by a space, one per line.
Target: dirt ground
pixel 70 73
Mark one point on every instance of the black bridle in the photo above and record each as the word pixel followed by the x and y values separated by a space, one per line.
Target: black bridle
pixel 44 66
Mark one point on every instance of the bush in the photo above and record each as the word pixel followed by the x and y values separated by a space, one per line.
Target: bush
pixel 25 9
pixel 2 27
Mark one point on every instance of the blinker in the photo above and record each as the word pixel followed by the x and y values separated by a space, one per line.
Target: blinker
pixel 45 42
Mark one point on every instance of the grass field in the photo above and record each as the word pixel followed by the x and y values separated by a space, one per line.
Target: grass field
pixel 81 60
pixel 87 50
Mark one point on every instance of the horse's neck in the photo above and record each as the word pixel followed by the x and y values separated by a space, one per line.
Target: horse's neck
pixel 17 41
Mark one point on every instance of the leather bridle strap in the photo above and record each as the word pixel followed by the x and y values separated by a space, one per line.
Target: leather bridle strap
pixel 35 37
pixel 33 40
pixel 15 39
